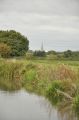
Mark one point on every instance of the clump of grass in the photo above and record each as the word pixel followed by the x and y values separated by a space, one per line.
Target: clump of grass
pixel 64 72
pixel 30 75
pixel 52 93
pixel 61 90
pixel 61 72
pixel 10 77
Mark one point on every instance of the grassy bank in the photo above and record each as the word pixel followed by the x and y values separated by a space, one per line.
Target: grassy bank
pixel 57 80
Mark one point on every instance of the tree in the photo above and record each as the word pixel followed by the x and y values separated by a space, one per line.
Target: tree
pixel 19 44
pixel 51 52
pixel 5 50
pixel 39 53
pixel 67 53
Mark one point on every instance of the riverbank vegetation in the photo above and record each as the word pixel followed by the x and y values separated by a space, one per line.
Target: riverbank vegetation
pixel 57 80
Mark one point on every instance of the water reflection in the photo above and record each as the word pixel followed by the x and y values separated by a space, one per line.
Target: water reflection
pixel 64 111
pixel 24 106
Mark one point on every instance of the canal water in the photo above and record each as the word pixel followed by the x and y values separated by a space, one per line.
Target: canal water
pixel 22 105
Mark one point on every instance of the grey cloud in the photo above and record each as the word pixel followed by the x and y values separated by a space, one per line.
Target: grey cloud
pixel 41 22
pixel 61 7
pixel 56 22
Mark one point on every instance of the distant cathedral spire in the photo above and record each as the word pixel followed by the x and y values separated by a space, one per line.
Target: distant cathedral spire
pixel 42 47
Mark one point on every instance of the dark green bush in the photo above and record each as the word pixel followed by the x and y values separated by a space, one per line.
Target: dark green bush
pixel 18 43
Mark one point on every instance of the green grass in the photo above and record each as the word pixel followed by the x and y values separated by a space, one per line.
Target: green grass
pixel 56 80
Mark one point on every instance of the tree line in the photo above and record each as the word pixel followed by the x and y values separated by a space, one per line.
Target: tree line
pixel 53 55
pixel 14 44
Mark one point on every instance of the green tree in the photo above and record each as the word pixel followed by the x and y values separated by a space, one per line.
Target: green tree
pixel 39 53
pixel 51 52
pixel 67 53
pixel 19 44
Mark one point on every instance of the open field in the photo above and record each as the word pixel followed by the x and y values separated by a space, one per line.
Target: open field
pixel 56 80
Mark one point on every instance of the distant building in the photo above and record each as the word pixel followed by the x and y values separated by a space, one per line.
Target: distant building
pixel 42 47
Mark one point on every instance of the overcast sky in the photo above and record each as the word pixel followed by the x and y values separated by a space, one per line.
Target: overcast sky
pixel 55 22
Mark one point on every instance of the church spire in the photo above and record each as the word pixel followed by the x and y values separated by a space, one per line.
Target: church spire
pixel 42 47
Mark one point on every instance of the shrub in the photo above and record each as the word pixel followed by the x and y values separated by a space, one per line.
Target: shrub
pixel 52 91
pixel 29 56
pixel 39 53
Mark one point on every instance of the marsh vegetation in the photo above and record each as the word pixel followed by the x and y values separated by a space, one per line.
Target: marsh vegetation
pixel 56 80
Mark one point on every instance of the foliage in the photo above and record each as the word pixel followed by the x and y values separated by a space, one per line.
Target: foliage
pixel 5 50
pixel 29 56
pixel 39 53
pixel 62 90
pixel 17 42
pixel 52 52
pixel 51 57
pixel 52 91
pixel 30 75
pixel 68 53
